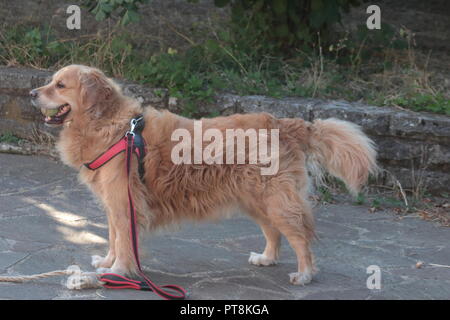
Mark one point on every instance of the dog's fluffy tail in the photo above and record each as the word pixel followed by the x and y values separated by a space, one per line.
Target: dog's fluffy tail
pixel 342 149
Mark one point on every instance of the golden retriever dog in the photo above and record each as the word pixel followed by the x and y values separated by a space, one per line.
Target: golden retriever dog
pixel 95 114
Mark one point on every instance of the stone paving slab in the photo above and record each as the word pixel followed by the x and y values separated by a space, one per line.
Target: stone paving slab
pixel 49 221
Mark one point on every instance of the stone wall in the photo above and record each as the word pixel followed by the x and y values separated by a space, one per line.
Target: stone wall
pixel 413 147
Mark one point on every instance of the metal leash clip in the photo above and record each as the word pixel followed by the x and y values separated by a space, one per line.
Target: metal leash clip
pixel 133 123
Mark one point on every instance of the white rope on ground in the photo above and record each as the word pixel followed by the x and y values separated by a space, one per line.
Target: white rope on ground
pixel 439 265
pixel 19 279
pixel 77 280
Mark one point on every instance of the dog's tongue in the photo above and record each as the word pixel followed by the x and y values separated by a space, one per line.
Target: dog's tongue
pixel 49 112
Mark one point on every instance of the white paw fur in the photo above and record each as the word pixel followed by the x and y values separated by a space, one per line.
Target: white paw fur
pixel 96 261
pixel 104 270
pixel 259 259
pixel 114 269
pixel 300 278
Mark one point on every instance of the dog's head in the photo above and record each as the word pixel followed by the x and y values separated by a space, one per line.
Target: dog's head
pixel 75 90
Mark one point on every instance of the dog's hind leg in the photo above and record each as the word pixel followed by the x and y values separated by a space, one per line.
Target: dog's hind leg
pixel 270 253
pixel 292 216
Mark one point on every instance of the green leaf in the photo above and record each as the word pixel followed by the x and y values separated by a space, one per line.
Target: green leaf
pixel 224 35
pixel 212 45
pixel 100 16
pixel 130 16
pixel 106 7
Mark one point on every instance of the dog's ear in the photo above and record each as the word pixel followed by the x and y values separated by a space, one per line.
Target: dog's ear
pixel 97 92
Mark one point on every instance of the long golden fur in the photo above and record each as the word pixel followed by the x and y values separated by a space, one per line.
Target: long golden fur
pixel 99 116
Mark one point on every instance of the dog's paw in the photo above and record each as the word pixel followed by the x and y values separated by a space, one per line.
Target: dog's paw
pixel 117 270
pixel 300 278
pixel 104 270
pixel 259 259
pixel 96 261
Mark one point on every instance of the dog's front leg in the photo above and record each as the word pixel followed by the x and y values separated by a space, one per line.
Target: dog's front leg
pixel 108 260
pixel 121 252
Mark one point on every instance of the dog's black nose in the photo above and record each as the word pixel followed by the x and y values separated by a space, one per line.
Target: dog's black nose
pixel 33 94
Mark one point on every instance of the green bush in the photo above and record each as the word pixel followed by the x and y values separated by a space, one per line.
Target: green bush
pixel 425 102
pixel 265 24
pixel 8 137
pixel 285 24
pixel 27 46
pixel 126 9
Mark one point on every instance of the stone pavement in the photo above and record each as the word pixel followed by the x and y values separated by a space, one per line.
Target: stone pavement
pixel 48 221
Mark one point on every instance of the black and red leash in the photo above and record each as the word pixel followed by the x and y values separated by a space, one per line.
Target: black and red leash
pixel 116 281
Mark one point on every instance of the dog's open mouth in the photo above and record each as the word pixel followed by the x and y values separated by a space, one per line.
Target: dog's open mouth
pixel 57 115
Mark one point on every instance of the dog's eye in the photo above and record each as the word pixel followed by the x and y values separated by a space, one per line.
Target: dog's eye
pixel 60 85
